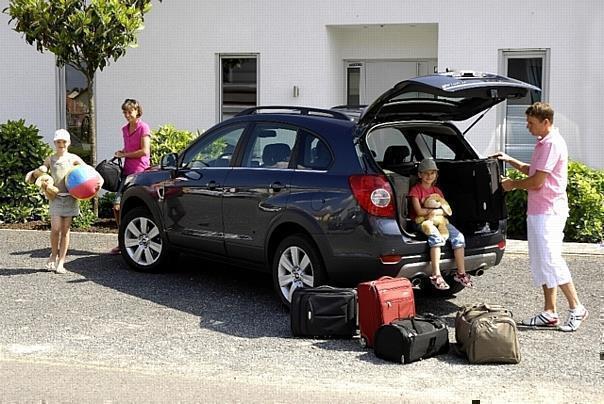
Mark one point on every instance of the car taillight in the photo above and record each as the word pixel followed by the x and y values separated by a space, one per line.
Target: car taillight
pixel 373 193
pixel 501 245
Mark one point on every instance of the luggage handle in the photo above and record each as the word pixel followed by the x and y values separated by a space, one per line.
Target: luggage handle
pixel 497 307
pixel 491 308
pixel 431 344
pixel 381 278
pixel 119 161
pixel 429 316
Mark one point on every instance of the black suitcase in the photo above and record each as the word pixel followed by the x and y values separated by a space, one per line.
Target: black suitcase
pixel 324 311
pixel 412 339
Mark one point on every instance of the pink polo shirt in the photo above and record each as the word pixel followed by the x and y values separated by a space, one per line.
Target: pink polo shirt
pixel 132 142
pixel 550 156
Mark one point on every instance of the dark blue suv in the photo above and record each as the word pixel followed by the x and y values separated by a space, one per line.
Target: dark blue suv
pixel 320 196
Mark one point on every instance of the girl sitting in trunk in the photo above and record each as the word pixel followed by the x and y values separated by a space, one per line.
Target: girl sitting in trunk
pixel 428 172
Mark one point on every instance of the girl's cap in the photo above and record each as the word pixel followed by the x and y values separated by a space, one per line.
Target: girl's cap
pixel 427 165
pixel 62 134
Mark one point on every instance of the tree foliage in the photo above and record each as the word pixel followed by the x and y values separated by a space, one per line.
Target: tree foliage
pixel 85 34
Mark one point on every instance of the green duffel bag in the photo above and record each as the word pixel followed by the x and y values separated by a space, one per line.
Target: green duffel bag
pixel 487 333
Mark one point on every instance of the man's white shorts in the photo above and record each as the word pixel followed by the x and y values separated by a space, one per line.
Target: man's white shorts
pixel 545 234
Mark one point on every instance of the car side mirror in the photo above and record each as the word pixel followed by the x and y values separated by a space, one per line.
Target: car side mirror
pixel 168 161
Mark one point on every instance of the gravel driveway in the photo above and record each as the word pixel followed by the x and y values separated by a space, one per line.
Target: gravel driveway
pixel 222 326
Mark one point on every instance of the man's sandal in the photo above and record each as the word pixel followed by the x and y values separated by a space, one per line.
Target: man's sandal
pixel 439 283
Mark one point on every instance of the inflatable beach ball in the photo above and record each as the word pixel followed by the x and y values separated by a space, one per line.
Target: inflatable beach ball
pixel 83 182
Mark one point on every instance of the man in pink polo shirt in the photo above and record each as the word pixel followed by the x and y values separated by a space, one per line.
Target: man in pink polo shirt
pixel 547 212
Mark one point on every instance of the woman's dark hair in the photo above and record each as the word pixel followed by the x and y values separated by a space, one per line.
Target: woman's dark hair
pixel 130 104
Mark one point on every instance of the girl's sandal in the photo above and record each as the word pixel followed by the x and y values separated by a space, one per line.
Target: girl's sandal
pixel 464 279
pixel 439 283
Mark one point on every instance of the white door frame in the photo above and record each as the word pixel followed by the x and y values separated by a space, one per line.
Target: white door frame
pixel 360 63
pixel 219 57
pixel 503 57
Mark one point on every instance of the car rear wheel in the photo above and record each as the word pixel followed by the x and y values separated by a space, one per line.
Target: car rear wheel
pixel 141 241
pixel 296 264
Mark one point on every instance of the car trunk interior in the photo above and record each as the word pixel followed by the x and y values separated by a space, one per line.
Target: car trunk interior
pixel 470 184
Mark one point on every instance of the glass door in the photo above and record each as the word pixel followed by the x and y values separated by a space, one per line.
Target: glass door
pixel 238 84
pixel 530 67
pixel 74 110
pixel 355 83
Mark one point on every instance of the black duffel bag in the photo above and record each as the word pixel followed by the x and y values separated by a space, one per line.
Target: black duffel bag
pixel 412 339
pixel 111 171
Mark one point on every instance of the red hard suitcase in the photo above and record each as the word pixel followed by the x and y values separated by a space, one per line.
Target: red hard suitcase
pixel 381 302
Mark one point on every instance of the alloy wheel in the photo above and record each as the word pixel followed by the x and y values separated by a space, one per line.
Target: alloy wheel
pixel 142 241
pixel 295 270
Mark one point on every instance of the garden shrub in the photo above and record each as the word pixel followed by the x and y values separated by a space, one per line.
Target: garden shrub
pixel 87 217
pixel 168 139
pixel 85 221
pixel 23 149
pixel 106 205
pixel 585 199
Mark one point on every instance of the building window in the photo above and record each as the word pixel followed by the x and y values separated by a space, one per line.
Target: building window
pixel 353 84
pixel 238 84
pixel 74 110
pixel 531 67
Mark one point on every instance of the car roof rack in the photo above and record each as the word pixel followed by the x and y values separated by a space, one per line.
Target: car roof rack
pixel 296 110
pixel 353 112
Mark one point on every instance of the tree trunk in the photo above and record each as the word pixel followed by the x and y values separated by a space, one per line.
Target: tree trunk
pixel 92 106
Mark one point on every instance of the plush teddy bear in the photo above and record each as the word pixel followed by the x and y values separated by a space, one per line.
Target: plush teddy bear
pixel 435 201
pixel 43 181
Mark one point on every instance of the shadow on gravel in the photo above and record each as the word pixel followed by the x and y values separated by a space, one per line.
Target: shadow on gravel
pixel 449 358
pixel 20 271
pixel 227 299
pixel 45 253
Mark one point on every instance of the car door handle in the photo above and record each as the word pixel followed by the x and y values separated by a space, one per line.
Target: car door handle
pixel 212 185
pixel 276 186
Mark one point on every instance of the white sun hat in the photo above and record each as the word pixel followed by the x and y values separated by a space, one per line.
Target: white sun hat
pixel 62 134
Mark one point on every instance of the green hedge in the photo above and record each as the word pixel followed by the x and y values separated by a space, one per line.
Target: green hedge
pixel 585 199
pixel 167 139
pixel 23 149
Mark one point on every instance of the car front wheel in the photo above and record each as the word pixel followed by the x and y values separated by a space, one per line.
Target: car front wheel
pixel 141 242
pixel 296 264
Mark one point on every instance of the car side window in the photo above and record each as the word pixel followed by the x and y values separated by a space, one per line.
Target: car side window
pixel 313 153
pixel 214 150
pixel 382 139
pixel 432 146
pixel 270 146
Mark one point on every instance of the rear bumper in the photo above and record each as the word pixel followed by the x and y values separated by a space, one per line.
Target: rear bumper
pixel 352 270
pixel 473 263
pixel 354 262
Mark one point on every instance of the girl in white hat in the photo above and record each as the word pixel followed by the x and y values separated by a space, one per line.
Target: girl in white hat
pixel 64 207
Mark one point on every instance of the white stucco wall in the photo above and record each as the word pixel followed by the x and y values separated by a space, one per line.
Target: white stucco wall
pixel 27 81
pixel 304 43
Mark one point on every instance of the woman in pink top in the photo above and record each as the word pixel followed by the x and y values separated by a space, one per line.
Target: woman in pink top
pixel 136 151
pixel 547 212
